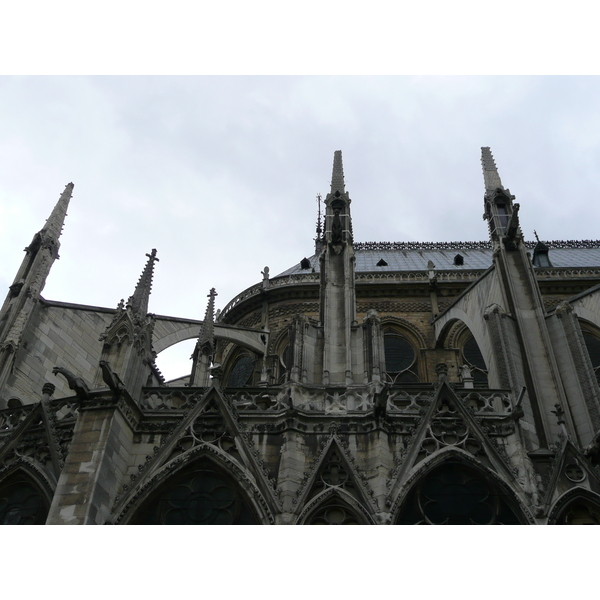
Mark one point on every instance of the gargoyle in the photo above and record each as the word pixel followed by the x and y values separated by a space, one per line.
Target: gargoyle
pixel 111 379
pixel 512 229
pixel 380 399
pixel 77 384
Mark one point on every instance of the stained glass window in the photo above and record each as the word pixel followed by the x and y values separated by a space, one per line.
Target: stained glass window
pixel 454 494
pixel 400 359
pixel 202 495
pixel 334 512
pixel 241 372
pixel 21 502
pixel 473 357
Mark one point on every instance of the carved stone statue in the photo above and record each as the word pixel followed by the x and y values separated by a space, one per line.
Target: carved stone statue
pixel 380 399
pixel 512 228
pixel 111 379
pixel 77 384
pixel 336 228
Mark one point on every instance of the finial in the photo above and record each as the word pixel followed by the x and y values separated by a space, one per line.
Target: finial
pixel 319 229
pixel 536 236
pixel 319 236
pixel 337 177
pixel 491 178
pixel 141 296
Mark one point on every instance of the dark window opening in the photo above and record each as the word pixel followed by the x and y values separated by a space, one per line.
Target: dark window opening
pixel 580 512
pixel 334 512
pixel 285 364
pixel 21 503
pixel 473 357
pixel 400 359
pixel 459 260
pixel 382 263
pixel 241 372
pixel 202 495
pixel 503 214
pixel 454 494
pixel 305 263
pixel 593 347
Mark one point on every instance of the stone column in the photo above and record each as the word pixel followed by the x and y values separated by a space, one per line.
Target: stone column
pixel 96 464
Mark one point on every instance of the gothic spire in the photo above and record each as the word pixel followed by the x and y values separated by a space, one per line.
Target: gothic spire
pixel 208 325
pixel 491 178
pixel 139 301
pixel 337 177
pixel 205 346
pixel 55 222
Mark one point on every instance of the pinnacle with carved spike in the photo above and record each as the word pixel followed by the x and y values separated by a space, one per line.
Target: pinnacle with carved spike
pixel 337 177
pixel 208 325
pixel 491 177
pixel 141 296
pixel 54 224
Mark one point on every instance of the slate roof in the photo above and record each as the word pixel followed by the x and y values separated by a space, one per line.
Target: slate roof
pixel 476 256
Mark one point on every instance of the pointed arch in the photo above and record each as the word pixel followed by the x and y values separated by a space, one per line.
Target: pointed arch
pixel 453 488
pixel 578 506
pixel 331 472
pixel 281 352
pixel 25 494
pixel 406 328
pixel 201 486
pixel 334 506
pixel 403 344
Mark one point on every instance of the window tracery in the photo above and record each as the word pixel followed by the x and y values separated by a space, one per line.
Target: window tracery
pixel 455 494
pixel 284 356
pixel 334 512
pixel 580 512
pixel 241 371
pixel 471 355
pixel 21 502
pixel 400 358
pixel 202 495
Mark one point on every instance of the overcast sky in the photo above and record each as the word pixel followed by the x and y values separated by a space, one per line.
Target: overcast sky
pixel 220 174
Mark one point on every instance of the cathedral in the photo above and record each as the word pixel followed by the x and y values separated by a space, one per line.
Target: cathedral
pixel 379 383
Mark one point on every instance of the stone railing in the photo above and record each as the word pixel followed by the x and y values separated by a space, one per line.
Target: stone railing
pixel 64 410
pixel 401 399
pixel 255 290
pixel 566 272
pixel 11 418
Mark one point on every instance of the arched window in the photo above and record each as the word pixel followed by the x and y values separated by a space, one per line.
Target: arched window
pixel 400 358
pixel 202 495
pixel 472 356
pixel 580 512
pixel 592 344
pixel 455 494
pixel 241 372
pixel 21 502
pixel 334 512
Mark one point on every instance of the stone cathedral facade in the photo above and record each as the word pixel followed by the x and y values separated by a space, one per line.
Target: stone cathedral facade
pixel 371 383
